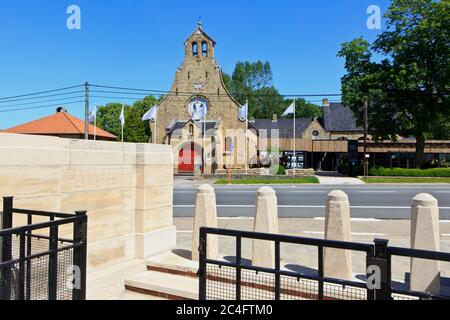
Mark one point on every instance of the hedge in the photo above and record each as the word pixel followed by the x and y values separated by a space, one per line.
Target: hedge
pixel 401 172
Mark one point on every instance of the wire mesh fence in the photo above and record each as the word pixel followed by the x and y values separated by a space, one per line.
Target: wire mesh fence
pixel 236 278
pixel 36 263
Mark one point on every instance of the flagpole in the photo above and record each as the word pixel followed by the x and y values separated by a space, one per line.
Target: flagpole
pixel 95 127
pixel 204 144
pixel 295 145
pixel 246 139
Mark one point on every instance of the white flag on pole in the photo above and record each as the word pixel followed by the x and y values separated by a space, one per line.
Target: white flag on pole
pixel 122 117
pixel 93 115
pixel 290 110
pixel 243 112
pixel 151 115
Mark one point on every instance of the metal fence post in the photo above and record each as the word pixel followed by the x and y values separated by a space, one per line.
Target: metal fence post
pixel 378 271
pixel 80 255
pixel 6 249
pixel 202 265
pixel 53 264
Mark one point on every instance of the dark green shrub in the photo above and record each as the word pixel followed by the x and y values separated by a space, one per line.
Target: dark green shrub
pixel 281 171
pixel 402 172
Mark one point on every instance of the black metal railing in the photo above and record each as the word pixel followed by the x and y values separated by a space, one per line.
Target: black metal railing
pixel 44 258
pixel 236 280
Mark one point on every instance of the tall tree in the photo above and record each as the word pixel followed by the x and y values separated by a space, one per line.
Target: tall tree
pixel 408 89
pixel 254 82
pixel 134 130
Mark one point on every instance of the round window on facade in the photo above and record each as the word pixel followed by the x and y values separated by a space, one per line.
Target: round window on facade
pixel 315 133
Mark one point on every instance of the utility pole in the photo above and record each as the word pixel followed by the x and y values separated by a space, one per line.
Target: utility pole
pixel 86 110
pixel 366 128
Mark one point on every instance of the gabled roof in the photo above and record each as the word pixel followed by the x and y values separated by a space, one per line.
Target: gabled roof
pixel 199 31
pixel 339 118
pixel 178 125
pixel 60 123
pixel 285 127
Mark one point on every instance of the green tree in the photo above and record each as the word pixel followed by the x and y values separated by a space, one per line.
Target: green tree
pixel 134 130
pixel 408 90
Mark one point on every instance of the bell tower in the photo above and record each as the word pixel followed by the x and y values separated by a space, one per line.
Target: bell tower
pixel 199 46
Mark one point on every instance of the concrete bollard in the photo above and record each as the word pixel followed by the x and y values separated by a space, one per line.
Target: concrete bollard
pixel 338 263
pixel 266 221
pixel 425 274
pixel 205 216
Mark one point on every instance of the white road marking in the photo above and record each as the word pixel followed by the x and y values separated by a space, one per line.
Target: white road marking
pixel 309 207
pixel 353 233
pixel 377 191
pixel 308 191
pixel 235 218
pixel 354 219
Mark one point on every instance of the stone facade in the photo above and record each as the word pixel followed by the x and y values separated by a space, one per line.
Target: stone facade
pixel 127 190
pixel 200 77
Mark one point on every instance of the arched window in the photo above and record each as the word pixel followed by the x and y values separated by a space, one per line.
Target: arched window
pixel 195 49
pixel 204 49
pixel 228 144
pixel 191 130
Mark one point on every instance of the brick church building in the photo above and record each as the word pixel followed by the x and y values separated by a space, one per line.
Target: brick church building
pixel 203 144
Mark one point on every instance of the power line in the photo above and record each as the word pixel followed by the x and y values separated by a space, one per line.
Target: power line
pixel 35 102
pixel 42 92
pixel 40 107
pixel 42 97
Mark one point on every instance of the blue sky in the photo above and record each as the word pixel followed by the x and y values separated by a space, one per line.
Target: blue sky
pixel 139 43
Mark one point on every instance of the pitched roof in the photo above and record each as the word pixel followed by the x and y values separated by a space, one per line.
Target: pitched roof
pixel 60 123
pixel 178 125
pixel 284 126
pixel 199 31
pixel 338 117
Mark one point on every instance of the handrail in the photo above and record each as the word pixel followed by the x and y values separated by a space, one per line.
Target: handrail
pixel 42 225
pixel 43 213
pixel 289 239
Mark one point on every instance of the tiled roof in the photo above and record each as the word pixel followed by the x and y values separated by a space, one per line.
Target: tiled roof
pixel 285 126
pixel 60 123
pixel 338 117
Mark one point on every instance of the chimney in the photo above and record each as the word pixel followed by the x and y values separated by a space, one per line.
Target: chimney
pixel 275 118
pixel 325 102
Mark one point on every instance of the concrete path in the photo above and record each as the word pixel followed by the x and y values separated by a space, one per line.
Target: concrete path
pixel 363 231
pixel 339 181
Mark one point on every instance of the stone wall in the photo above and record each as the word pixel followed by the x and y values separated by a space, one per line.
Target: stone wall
pixel 127 190
pixel 300 173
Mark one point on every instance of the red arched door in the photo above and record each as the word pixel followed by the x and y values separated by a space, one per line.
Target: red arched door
pixel 189 155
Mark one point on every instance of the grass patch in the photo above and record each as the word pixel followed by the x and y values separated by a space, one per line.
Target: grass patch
pixel 303 180
pixel 402 172
pixel 406 180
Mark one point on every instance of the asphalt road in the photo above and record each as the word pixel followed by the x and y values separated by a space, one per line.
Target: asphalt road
pixel 366 201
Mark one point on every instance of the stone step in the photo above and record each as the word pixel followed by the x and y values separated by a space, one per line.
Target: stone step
pixel 164 285
pixel 173 263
